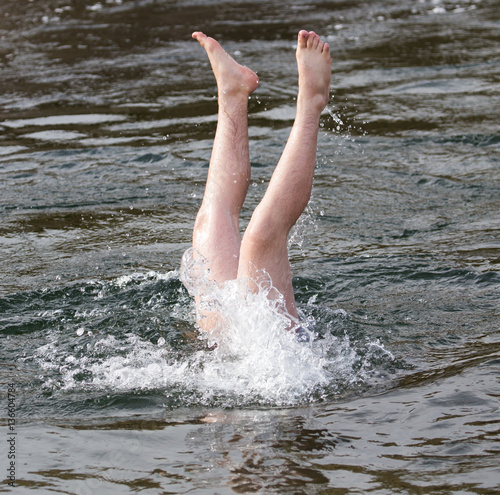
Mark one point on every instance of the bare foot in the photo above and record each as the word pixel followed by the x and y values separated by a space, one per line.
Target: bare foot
pixel 232 78
pixel 315 72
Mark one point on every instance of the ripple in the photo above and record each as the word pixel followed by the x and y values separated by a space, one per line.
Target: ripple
pixel 54 135
pixel 56 120
pixel 439 86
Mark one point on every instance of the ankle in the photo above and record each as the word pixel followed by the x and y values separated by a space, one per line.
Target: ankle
pixel 231 103
pixel 232 94
pixel 310 108
pixel 314 104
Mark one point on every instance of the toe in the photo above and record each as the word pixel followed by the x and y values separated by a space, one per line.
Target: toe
pixel 310 39
pixel 316 42
pixel 199 36
pixel 303 35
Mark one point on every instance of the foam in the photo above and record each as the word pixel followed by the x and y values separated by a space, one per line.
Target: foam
pixel 256 360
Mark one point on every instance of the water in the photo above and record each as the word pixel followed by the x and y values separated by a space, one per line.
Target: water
pixel 107 114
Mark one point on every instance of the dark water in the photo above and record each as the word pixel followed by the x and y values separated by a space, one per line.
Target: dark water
pixel 107 115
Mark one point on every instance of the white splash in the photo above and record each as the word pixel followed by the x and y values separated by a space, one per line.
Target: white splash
pixel 256 360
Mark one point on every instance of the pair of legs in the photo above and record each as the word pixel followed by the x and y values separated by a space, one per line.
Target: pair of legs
pixel 216 236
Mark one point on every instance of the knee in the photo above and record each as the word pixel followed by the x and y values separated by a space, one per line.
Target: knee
pixel 201 227
pixel 215 222
pixel 264 233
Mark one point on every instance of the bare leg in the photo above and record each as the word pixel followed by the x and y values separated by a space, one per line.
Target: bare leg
pixel 216 234
pixel 264 245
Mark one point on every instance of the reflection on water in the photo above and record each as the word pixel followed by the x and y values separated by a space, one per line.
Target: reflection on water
pixel 107 114
pixel 357 444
